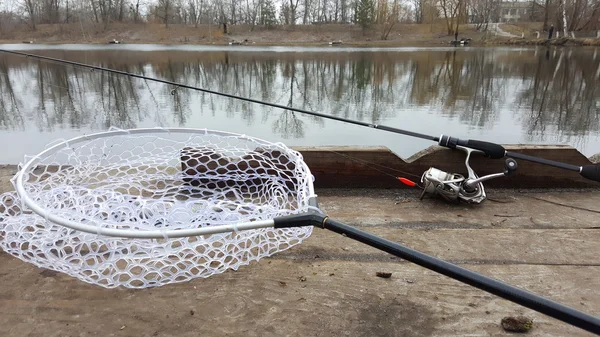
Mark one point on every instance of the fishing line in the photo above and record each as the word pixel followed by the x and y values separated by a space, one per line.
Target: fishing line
pixel 158 119
pixel 373 165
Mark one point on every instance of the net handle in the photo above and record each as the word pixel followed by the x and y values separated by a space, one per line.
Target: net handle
pixel 125 233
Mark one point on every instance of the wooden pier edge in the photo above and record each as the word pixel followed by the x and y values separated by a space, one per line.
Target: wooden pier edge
pixel 364 166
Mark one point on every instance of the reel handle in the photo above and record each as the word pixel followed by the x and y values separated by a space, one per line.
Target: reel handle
pixel 510 167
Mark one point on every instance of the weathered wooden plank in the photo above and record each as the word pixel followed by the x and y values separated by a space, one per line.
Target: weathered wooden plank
pixel 505 209
pixel 471 246
pixel 371 166
pixel 509 208
pixel 286 298
pixel 6 174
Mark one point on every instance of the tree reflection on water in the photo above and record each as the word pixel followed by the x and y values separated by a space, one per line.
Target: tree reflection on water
pixel 552 93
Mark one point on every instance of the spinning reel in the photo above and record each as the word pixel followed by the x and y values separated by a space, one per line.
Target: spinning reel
pixel 454 186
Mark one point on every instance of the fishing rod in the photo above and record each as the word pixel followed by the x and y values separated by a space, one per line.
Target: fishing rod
pixel 451 186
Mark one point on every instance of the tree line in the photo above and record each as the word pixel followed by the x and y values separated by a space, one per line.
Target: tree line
pixel 196 12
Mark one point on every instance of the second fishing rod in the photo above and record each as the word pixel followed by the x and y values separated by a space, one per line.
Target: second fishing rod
pixel 492 150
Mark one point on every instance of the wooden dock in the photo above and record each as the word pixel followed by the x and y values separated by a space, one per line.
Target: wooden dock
pixel 366 167
pixel 544 240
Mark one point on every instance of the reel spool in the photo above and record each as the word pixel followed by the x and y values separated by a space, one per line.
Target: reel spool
pixel 454 186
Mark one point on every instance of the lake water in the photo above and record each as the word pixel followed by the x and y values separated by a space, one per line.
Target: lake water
pixel 534 95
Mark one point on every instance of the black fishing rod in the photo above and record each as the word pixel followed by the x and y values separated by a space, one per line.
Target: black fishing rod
pixel 492 150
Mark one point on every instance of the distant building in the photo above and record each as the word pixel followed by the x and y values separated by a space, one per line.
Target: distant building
pixel 519 11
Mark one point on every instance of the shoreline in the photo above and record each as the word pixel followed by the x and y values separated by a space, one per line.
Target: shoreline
pixel 562 42
pixel 401 35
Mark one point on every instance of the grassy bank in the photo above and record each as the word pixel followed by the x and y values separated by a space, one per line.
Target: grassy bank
pixel 399 35
pixel 299 35
pixel 545 42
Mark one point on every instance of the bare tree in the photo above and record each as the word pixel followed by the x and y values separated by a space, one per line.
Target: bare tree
pixel 293 10
pixel 418 4
pixel 454 12
pixel 579 9
pixel 252 12
pixel 136 11
pixel 195 9
pixel 234 11
pixel 482 12
pixel 592 21
pixel 165 11
pixel 31 10
pixel 306 14
pixel 546 14
pixel 388 17
pixel 564 16
pixel 105 8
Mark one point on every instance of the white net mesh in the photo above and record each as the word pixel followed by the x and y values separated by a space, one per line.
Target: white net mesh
pixel 156 180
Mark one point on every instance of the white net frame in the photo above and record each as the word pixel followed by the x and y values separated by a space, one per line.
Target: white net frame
pixel 148 207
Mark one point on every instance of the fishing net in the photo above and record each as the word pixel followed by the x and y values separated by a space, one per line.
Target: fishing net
pixel 146 180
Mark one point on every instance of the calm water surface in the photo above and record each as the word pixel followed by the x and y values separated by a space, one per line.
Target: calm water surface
pixel 506 95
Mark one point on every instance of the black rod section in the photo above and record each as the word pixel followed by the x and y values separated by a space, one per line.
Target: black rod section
pixel 544 161
pixel 313 113
pixel 516 295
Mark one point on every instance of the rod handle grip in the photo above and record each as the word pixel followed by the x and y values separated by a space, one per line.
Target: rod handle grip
pixel 495 151
pixel 591 172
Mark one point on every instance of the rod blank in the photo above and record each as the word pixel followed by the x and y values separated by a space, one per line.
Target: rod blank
pixel 511 293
